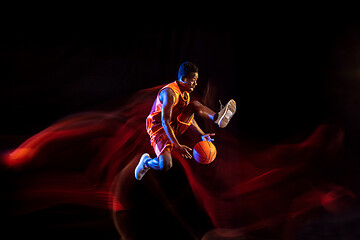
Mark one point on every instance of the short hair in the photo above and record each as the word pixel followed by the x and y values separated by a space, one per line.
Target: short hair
pixel 186 68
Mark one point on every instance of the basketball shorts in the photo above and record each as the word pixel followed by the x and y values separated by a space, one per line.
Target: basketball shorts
pixel 159 140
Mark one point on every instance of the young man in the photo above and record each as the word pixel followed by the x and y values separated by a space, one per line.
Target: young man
pixel 172 113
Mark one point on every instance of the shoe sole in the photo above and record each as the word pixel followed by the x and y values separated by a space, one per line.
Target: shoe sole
pixel 229 112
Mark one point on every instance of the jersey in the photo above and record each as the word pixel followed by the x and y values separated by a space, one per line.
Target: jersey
pixel 158 138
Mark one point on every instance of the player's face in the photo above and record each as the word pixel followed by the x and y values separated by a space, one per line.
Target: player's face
pixel 190 81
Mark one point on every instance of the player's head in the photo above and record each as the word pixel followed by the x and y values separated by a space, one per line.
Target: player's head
pixel 188 75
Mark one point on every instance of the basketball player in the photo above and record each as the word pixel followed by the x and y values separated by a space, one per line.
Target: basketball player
pixel 172 113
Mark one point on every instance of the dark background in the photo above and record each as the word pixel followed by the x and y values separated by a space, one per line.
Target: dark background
pixel 287 72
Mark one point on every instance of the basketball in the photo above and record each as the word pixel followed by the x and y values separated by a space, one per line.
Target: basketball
pixel 204 152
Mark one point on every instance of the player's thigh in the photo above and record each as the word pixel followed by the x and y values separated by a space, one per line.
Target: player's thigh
pixel 165 159
pixel 189 111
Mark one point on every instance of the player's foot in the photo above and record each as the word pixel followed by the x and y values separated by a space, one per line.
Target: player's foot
pixel 141 168
pixel 226 114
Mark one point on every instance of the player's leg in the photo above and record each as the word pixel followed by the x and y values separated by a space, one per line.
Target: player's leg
pixel 162 163
pixel 195 107
pixel 221 118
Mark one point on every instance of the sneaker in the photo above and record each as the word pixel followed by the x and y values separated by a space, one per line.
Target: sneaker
pixel 141 168
pixel 226 113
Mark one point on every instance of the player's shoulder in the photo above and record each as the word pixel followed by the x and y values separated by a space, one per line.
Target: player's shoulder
pixel 168 94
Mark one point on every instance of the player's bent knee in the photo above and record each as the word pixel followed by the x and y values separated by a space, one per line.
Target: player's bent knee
pixel 194 105
pixel 165 162
pixel 197 104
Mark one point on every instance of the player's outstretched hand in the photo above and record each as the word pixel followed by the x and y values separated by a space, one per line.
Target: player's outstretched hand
pixel 207 137
pixel 185 151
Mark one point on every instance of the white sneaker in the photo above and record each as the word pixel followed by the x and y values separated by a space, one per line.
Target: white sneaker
pixel 141 168
pixel 226 114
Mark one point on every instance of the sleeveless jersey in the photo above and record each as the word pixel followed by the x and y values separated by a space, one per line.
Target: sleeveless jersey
pixel 154 127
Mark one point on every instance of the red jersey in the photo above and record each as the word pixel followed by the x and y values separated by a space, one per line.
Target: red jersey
pixel 159 139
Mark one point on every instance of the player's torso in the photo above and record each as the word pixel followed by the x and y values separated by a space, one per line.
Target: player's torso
pixel 182 100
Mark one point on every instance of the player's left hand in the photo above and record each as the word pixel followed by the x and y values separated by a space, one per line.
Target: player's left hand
pixel 207 137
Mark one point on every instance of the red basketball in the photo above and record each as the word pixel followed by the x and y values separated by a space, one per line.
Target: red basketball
pixel 204 152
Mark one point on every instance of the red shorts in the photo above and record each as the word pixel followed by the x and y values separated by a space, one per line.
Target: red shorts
pixel 159 140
